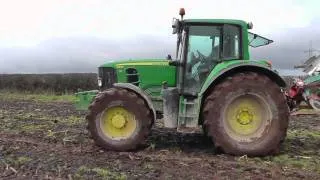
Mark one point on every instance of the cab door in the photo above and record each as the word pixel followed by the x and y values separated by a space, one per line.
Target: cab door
pixel 208 45
pixel 203 53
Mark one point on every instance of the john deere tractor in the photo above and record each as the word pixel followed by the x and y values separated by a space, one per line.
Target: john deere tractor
pixel 210 84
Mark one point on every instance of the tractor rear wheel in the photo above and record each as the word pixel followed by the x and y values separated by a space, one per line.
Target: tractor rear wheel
pixel 119 120
pixel 246 114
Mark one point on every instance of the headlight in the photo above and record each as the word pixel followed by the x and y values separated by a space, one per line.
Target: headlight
pixel 99 82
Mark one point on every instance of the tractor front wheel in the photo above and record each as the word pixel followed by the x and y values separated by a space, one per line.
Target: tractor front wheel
pixel 246 114
pixel 119 120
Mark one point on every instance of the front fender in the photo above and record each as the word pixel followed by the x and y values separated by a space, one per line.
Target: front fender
pixel 137 90
pixel 84 99
pixel 228 68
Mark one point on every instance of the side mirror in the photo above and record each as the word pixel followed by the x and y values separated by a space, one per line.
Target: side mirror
pixel 175 25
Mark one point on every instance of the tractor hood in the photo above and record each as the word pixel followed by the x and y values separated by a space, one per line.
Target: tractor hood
pixel 148 74
pixel 136 62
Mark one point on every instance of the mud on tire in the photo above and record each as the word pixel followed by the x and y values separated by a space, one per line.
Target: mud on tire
pixel 119 97
pixel 273 130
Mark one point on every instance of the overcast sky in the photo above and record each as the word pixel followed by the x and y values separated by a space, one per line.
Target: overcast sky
pixel 39 36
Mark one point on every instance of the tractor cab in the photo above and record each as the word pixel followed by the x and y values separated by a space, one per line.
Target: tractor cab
pixel 204 43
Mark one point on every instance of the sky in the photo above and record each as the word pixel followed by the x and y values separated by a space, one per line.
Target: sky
pixel 55 36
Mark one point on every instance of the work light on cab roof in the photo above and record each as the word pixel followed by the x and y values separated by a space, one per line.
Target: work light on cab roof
pixel 182 13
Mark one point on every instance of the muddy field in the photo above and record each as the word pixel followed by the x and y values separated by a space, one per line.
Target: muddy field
pixel 48 140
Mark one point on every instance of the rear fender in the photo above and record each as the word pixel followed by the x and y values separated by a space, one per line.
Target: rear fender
pixel 137 90
pixel 224 71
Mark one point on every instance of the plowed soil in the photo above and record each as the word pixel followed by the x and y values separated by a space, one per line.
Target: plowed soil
pixel 49 141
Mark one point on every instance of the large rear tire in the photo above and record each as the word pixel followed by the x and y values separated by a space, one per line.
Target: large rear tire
pixel 246 114
pixel 119 120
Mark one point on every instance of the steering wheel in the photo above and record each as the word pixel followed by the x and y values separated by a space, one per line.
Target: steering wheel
pixel 204 62
pixel 199 63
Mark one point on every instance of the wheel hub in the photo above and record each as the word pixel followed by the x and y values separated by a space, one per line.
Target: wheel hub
pixel 118 121
pixel 244 117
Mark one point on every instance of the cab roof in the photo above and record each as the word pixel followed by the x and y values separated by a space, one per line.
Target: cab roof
pixel 218 21
pixel 255 40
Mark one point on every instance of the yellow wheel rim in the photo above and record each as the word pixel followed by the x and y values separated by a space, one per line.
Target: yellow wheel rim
pixel 118 123
pixel 246 117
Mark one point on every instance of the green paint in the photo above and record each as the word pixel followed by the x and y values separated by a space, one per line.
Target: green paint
pixel 84 99
pixel 153 72
pixel 222 67
pixel 312 79
pixel 116 63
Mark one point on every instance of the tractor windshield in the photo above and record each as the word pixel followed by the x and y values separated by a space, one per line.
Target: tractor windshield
pixel 255 40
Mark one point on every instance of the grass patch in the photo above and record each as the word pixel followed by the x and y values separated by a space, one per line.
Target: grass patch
pixel 32 127
pixel 16 161
pixel 88 173
pixel 29 122
pixel 39 97
pixel 300 162
pixel 72 120
pixel 300 151
pixel 303 133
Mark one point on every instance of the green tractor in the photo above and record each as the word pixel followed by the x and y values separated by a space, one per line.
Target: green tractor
pixel 210 84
